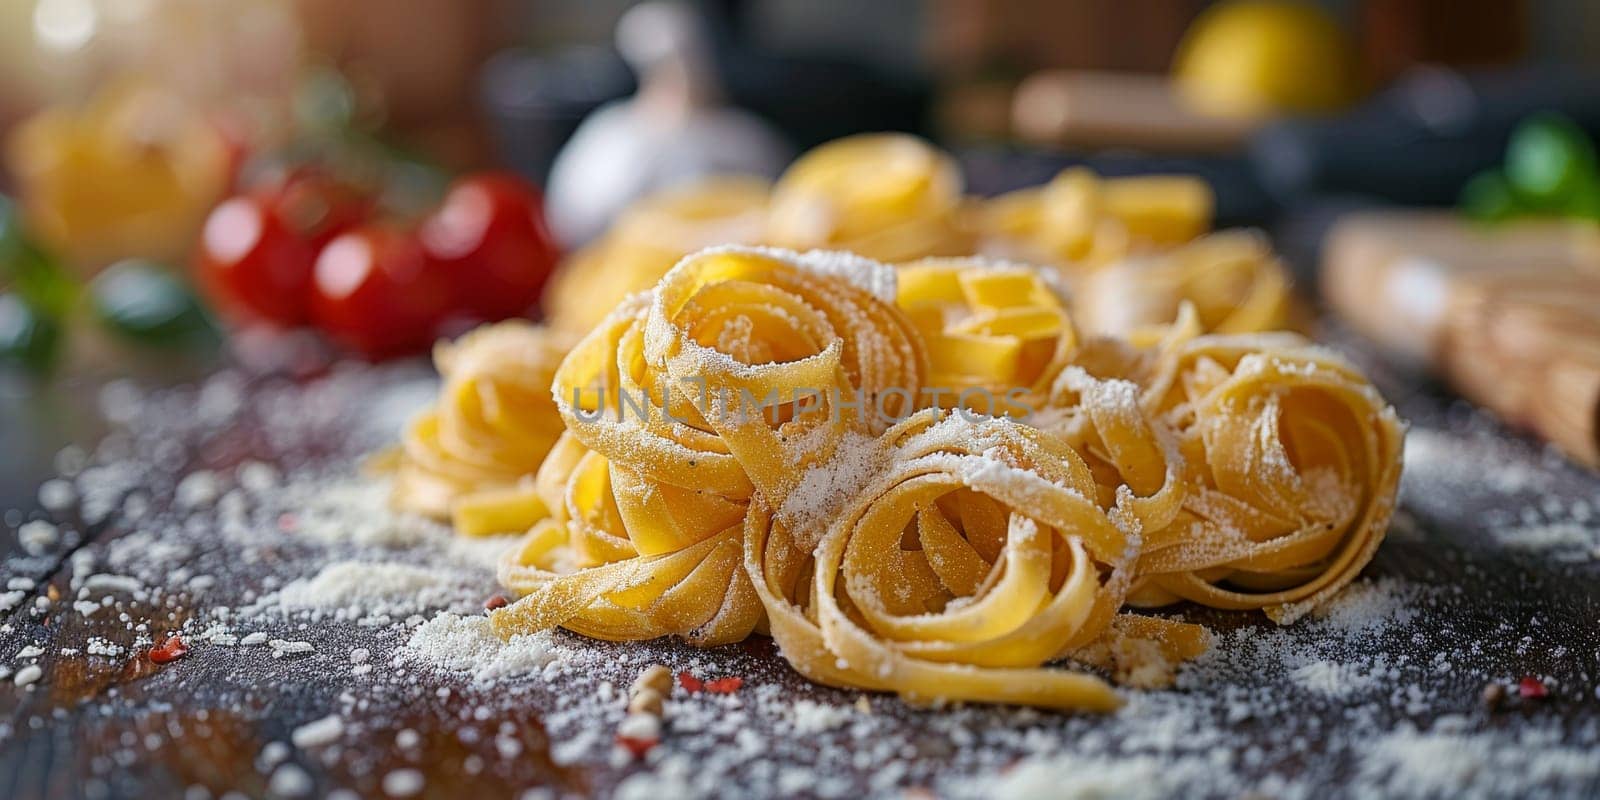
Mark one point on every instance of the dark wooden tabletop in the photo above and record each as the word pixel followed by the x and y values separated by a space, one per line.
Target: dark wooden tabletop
pixel 1489 575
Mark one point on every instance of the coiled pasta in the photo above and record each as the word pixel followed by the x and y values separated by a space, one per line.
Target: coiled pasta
pixel 1079 221
pixel 997 334
pixel 766 442
pixel 1296 460
pixel 1232 279
pixel 727 381
pixel 887 196
pixel 490 429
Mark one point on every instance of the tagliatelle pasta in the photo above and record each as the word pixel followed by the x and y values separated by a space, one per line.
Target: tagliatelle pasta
pixel 1232 279
pixel 725 382
pixel 765 442
pixel 1120 244
pixel 1296 462
pixel 888 196
pixel 1080 221
pixel 491 428
pixel 997 334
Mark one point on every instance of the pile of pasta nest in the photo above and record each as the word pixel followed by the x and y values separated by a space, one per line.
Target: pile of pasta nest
pixel 946 484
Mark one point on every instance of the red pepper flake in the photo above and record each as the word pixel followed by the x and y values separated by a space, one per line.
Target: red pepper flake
pixel 690 683
pixel 497 601
pixel 725 685
pixel 637 746
pixel 169 651
pixel 288 523
pixel 1531 688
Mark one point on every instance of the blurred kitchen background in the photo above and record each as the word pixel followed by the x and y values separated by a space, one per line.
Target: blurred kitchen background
pixel 151 150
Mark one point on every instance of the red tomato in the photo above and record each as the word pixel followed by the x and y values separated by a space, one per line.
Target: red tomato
pixel 490 234
pixel 257 250
pixel 251 264
pixel 375 290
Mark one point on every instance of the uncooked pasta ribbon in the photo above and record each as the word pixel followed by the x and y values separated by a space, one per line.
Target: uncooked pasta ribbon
pixel 766 442
pixel 1122 244
pixel 888 196
pixel 1232 279
pixel 490 429
pixel 997 334
pixel 978 552
pixel 1079 221
pixel 724 382
pixel 1297 462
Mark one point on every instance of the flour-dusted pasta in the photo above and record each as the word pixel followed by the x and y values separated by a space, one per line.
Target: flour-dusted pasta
pixel 490 429
pixel 888 196
pixel 739 370
pixel 766 441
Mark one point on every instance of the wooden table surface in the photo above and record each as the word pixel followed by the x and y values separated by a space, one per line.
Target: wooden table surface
pixel 1481 608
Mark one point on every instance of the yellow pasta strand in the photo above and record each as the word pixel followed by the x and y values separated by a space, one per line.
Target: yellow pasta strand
pixel 492 426
pixel 766 442
pixel 680 408
pixel 1079 221
pixel 1232 279
pixel 888 196
pixel 997 334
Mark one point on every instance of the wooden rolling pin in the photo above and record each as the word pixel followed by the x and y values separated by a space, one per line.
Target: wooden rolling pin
pixel 1509 315
pixel 1085 109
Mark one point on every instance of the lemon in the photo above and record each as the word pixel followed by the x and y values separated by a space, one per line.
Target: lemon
pixel 1252 58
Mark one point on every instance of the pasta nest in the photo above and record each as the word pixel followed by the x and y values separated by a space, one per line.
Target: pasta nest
pixel 997 334
pixel 742 368
pixel 1079 221
pixel 891 541
pixel 977 553
pixel 1232 279
pixel 887 196
pixel 1295 460
pixel 494 421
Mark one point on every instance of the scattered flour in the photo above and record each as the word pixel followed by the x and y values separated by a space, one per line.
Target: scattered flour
pixel 469 645
pixel 357 589
pixel 1450 761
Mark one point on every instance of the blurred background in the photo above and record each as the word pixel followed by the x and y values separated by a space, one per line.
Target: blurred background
pixel 281 183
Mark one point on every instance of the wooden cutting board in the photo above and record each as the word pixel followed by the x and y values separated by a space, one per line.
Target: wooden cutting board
pixel 1508 314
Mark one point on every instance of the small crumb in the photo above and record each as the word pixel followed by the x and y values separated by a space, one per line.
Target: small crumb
pixel 655 676
pixel 38 536
pixel 318 732
pixel 284 647
pixel 289 780
pixel 1493 695
pixel 28 675
pixel 402 783
pixel 646 701
pixel 57 494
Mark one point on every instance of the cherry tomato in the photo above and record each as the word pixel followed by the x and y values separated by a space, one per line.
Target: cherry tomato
pixel 375 290
pixel 253 265
pixel 257 250
pixel 490 234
